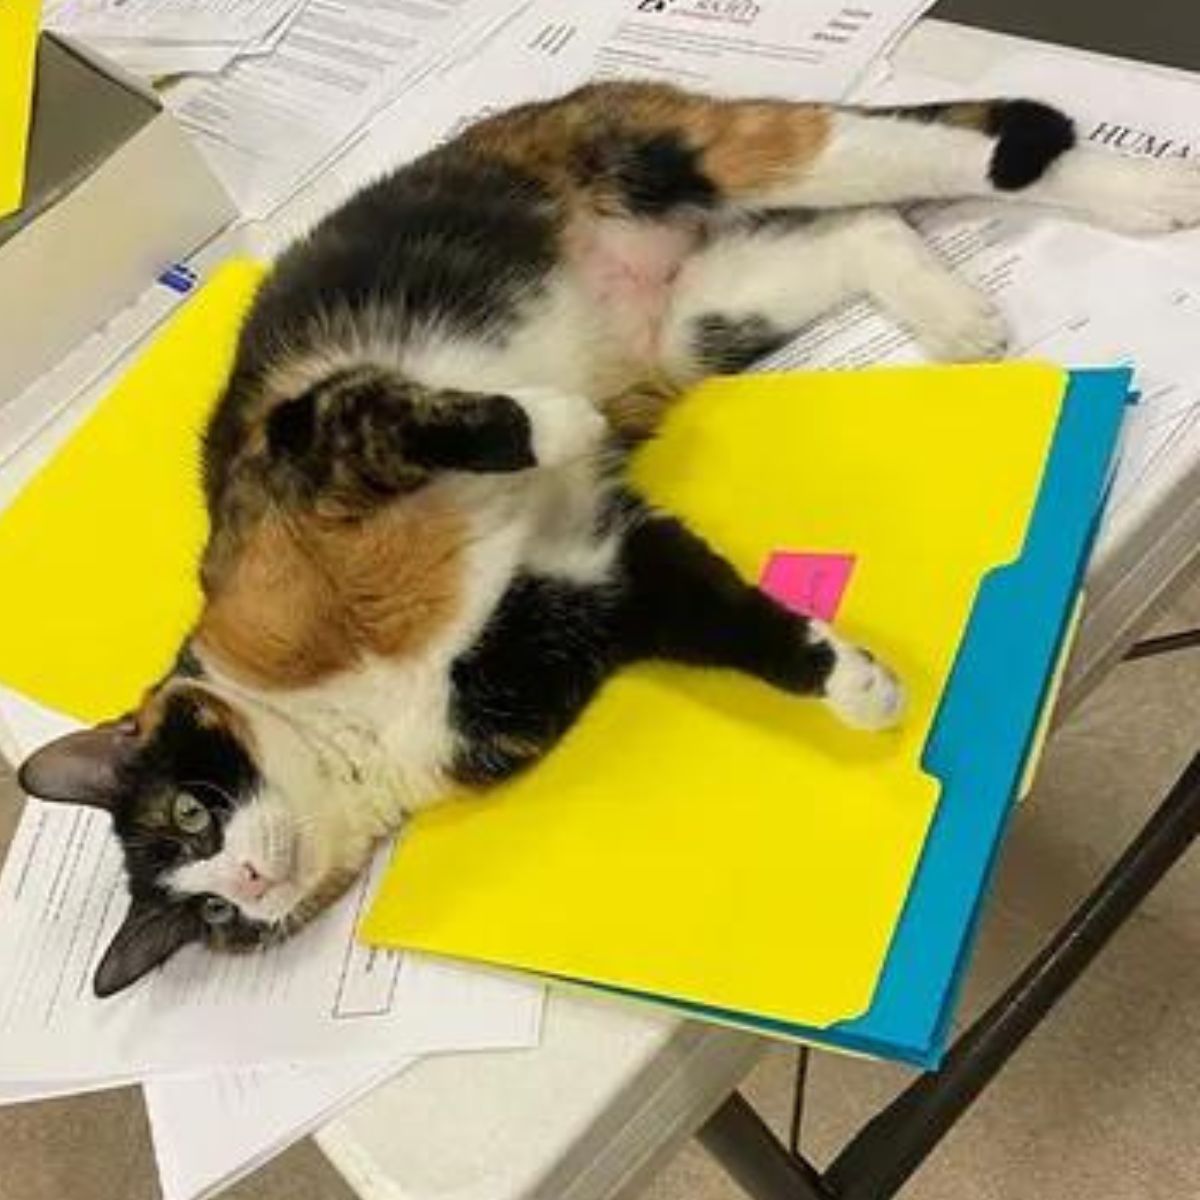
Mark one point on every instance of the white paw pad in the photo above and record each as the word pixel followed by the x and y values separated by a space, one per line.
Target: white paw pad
pixel 863 692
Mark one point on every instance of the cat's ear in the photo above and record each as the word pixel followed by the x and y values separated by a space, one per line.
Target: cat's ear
pixel 83 767
pixel 151 932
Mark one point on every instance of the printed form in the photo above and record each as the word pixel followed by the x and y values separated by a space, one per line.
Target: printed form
pixel 213 1130
pixel 266 123
pixel 319 996
pixel 170 20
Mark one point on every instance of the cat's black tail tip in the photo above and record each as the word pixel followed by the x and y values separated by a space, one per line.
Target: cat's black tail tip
pixel 1030 136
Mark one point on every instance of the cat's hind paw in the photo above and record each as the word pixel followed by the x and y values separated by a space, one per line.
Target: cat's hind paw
pixel 1168 199
pixel 861 691
pixel 955 322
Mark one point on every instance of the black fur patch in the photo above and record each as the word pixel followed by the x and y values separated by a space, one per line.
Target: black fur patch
pixel 183 753
pixel 652 174
pixel 687 604
pixel 541 657
pixel 187 665
pixel 1030 137
pixel 376 434
pixel 551 644
pixel 185 747
pixel 775 220
pixel 472 433
pixel 726 345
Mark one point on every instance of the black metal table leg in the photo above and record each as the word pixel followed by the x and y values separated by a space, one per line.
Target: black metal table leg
pixel 738 1138
pixel 877 1162
pixel 889 1149
pixel 1169 643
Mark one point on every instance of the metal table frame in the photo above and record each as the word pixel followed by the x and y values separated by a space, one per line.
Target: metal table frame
pixel 884 1154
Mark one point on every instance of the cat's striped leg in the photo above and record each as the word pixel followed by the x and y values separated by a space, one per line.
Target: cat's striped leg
pixel 363 434
pixel 650 151
pixel 687 604
pixel 750 291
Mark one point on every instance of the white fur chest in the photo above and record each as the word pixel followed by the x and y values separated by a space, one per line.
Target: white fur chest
pixel 381 735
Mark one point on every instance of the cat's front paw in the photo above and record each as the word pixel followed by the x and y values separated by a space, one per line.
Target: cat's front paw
pixel 862 691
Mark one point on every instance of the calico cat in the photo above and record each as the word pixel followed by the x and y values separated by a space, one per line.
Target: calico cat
pixel 424 558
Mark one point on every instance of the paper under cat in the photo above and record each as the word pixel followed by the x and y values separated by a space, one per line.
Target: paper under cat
pixel 423 557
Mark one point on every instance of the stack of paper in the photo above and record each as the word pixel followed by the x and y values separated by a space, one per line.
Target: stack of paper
pixel 157 38
pixel 267 123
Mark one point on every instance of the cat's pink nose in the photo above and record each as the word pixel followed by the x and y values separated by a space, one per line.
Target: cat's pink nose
pixel 251 883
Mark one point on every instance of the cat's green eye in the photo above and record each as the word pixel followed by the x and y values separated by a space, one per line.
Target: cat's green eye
pixel 216 911
pixel 190 815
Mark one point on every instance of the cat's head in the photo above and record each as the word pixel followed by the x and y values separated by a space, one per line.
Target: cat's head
pixel 225 819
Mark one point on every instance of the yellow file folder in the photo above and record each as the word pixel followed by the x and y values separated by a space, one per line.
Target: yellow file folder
pixel 698 835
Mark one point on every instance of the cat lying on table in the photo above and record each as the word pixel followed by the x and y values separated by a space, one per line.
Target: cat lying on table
pixel 424 558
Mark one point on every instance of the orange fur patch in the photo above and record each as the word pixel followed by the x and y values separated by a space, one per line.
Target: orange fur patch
pixel 748 147
pixel 306 597
pixel 744 145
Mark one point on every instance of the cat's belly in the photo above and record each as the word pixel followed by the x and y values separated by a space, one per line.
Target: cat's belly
pixel 627 269
pixel 592 327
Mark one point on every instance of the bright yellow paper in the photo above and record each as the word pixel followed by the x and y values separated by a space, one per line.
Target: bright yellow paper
pixel 698 835
pixel 18 52
pixel 99 554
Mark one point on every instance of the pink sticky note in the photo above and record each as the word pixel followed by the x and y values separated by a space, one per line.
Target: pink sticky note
pixel 811 584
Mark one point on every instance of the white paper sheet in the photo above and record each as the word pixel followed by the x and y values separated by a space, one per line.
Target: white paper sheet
pixel 267 123
pixel 184 21
pixel 212 1130
pixel 318 997
pixel 155 58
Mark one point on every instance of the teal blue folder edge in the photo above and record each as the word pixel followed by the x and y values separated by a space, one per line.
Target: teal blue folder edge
pixel 1000 679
